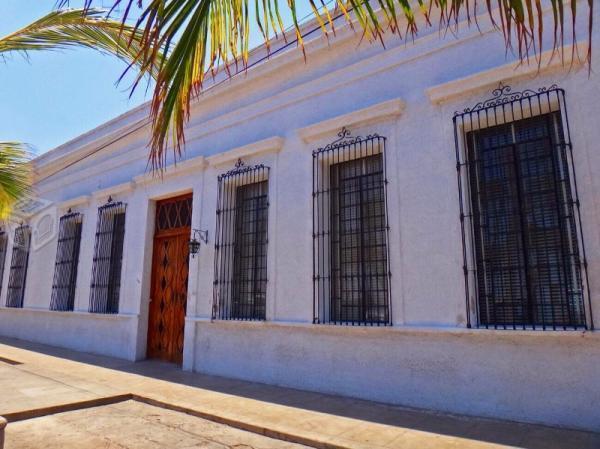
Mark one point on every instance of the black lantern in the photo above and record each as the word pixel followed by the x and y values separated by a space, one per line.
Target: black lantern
pixel 198 237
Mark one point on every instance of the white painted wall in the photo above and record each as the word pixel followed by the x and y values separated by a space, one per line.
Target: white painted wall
pixel 524 376
pixel 112 335
pixel 428 358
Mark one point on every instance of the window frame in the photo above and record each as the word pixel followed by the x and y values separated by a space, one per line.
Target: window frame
pixel 227 250
pixel 3 255
pixel 69 233
pixel 345 148
pixel 509 107
pixel 18 273
pixel 107 266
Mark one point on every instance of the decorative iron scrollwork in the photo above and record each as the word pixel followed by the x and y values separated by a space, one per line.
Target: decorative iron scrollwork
pixel 345 138
pixel 239 168
pixel 504 94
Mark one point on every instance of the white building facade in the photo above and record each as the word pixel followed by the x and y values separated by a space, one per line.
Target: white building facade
pixel 363 237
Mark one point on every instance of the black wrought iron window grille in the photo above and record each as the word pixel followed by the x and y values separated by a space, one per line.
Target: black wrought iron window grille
pixel 18 267
pixel 108 258
pixel 241 241
pixel 523 250
pixel 67 260
pixel 351 270
pixel 3 248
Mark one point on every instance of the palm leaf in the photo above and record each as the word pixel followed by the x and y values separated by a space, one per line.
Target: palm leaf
pixel 60 30
pixel 88 28
pixel 15 175
pixel 198 36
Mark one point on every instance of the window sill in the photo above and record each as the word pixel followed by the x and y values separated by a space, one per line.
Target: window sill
pixel 402 330
pixel 73 314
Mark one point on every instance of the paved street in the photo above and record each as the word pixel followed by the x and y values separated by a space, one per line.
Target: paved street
pixel 56 398
pixel 132 425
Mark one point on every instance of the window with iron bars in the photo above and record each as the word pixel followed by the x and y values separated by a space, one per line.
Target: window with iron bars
pixel 240 290
pixel 3 248
pixel 523 249
pixel 108 258
pixel 18 267
pixel 350 232
pixel 67 259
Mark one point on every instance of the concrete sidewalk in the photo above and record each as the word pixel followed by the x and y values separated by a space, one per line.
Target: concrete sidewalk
pixel 37 380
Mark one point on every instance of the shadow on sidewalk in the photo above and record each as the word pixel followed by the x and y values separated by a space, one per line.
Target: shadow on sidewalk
pixel 473 428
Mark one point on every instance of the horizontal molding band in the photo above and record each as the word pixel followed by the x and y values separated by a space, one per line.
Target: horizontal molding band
pixel 378 112
pixel 270 145
pixel 71 314
pixel 460 87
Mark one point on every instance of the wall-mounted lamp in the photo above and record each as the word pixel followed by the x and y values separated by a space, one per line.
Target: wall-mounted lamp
pixel 198 237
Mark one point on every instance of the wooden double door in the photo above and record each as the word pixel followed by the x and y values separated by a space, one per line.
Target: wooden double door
pixel 168 300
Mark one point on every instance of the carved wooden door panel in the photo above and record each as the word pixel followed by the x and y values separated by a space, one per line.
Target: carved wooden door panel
pixel 166 319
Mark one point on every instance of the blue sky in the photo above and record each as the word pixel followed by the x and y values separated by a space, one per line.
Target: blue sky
pixel 52 97
pixel 55 96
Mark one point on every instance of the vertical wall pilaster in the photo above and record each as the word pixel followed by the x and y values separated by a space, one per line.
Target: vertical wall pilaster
pixel 198 222
pixel 86 256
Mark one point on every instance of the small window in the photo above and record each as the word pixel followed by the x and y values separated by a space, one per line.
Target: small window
pixel 18 267
pixel 173 213
pixel 67 259
pixel 241 244
pixel 108 258
pixel 351 279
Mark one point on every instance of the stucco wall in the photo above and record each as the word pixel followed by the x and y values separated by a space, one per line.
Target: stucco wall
pixel 538 376
pixel 112 335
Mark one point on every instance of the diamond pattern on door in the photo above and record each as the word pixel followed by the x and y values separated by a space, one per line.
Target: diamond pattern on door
pixel 169 287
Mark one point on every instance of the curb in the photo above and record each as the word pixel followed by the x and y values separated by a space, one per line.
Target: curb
pixel 242 425
pixel 306 440
pixel 62 408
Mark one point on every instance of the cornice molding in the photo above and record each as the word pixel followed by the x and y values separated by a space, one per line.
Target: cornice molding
pixel 463 86
pixel 119 189
pixel 270 145
pixel 87 143
pixel 50 163
pixel 182 168
pixel 379 112
pixel 31 207
pixel 79 201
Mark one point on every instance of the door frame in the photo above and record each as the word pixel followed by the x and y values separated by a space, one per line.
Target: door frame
pixel 157 236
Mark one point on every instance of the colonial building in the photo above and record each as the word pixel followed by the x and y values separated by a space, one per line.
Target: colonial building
pixel 415 224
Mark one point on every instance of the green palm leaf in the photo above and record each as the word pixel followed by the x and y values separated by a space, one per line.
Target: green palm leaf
pixel 198 36
pixel 88 28
pixel 15 175
pixel 60 30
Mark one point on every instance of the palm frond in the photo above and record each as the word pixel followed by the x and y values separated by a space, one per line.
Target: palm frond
pixel 199 36
pixel 60 30
pixel 88 28
pixel 15 175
